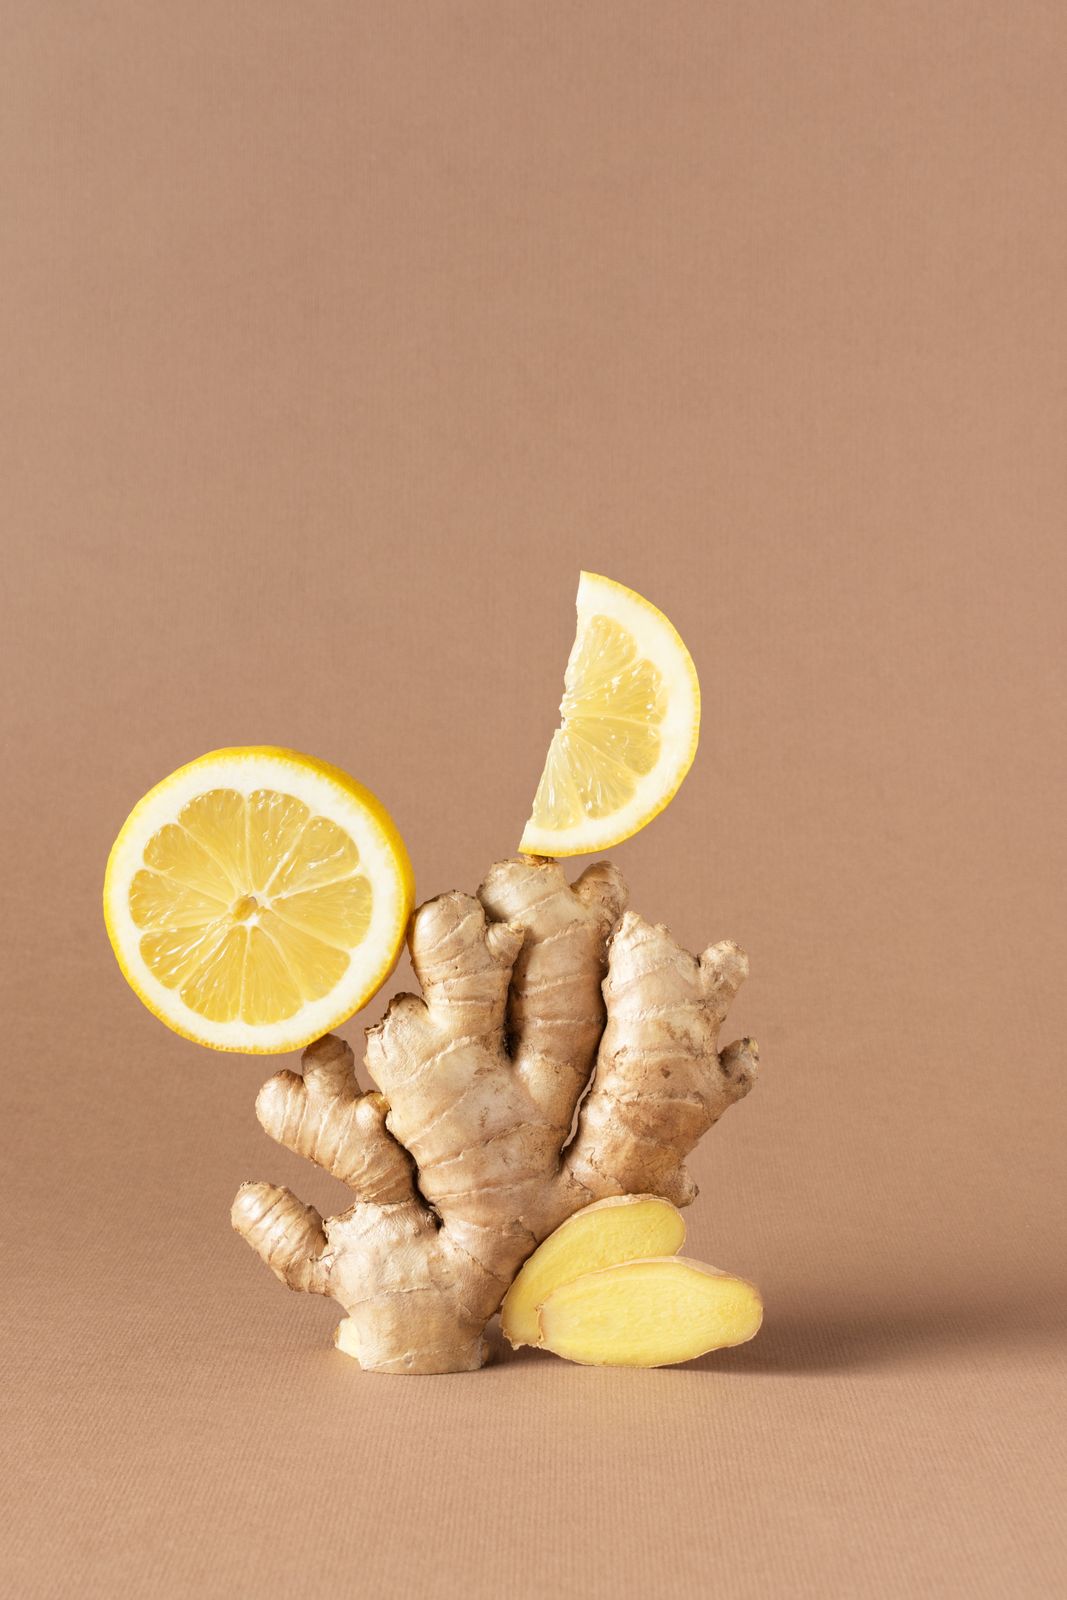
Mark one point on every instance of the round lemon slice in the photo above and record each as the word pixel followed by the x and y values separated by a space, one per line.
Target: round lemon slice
pixel 630 723
pixel 256 898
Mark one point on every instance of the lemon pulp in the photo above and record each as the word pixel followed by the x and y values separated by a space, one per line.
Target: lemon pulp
pixel 256 897
pixel 612 707
pixel 248 905
pixel 629 723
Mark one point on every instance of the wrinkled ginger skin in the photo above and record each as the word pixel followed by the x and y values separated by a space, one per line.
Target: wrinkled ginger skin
pixel 459 1165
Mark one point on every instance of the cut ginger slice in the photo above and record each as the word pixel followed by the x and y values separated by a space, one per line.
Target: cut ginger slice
pixel 608 1232
pixel 256 898
pixel 629 725
pixel 649 1314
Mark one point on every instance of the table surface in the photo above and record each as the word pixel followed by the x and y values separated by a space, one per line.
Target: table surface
pixel 337 339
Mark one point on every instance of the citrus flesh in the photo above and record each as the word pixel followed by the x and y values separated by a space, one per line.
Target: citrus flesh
pixel 630 721
pixel 256 898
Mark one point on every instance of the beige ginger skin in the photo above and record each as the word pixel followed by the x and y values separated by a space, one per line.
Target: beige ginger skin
pixel 534 993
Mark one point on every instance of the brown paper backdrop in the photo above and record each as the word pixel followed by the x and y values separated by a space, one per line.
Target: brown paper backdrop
pixel 336 339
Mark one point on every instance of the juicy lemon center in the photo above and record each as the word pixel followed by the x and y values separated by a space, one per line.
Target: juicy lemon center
pixel 249 905
pixel 614 702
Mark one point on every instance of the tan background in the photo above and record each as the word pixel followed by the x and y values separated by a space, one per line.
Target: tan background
pixel 336 338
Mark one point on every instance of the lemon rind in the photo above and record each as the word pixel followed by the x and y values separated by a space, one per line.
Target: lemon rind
pixel 325 788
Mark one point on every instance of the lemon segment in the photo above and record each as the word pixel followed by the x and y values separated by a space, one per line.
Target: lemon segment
pixel 256 898
pixel 630 721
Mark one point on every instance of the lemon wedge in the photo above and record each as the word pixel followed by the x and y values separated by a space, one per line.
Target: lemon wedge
pixel 256 898
pixel 630 723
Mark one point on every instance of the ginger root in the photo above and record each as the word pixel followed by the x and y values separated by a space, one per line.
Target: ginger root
pixel 534 993
pixel 649 1314
pixel 623 1228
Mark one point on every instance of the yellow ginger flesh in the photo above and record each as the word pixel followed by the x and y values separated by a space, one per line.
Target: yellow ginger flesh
pixel 649 1314
pixel 622 1228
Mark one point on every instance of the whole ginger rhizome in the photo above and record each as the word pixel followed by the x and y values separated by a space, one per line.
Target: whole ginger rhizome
pixel 537 996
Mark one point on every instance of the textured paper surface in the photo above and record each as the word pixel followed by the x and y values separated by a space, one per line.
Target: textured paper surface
pixel 336 339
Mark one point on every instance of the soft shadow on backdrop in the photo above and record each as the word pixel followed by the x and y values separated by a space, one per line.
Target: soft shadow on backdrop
pixel 336 342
